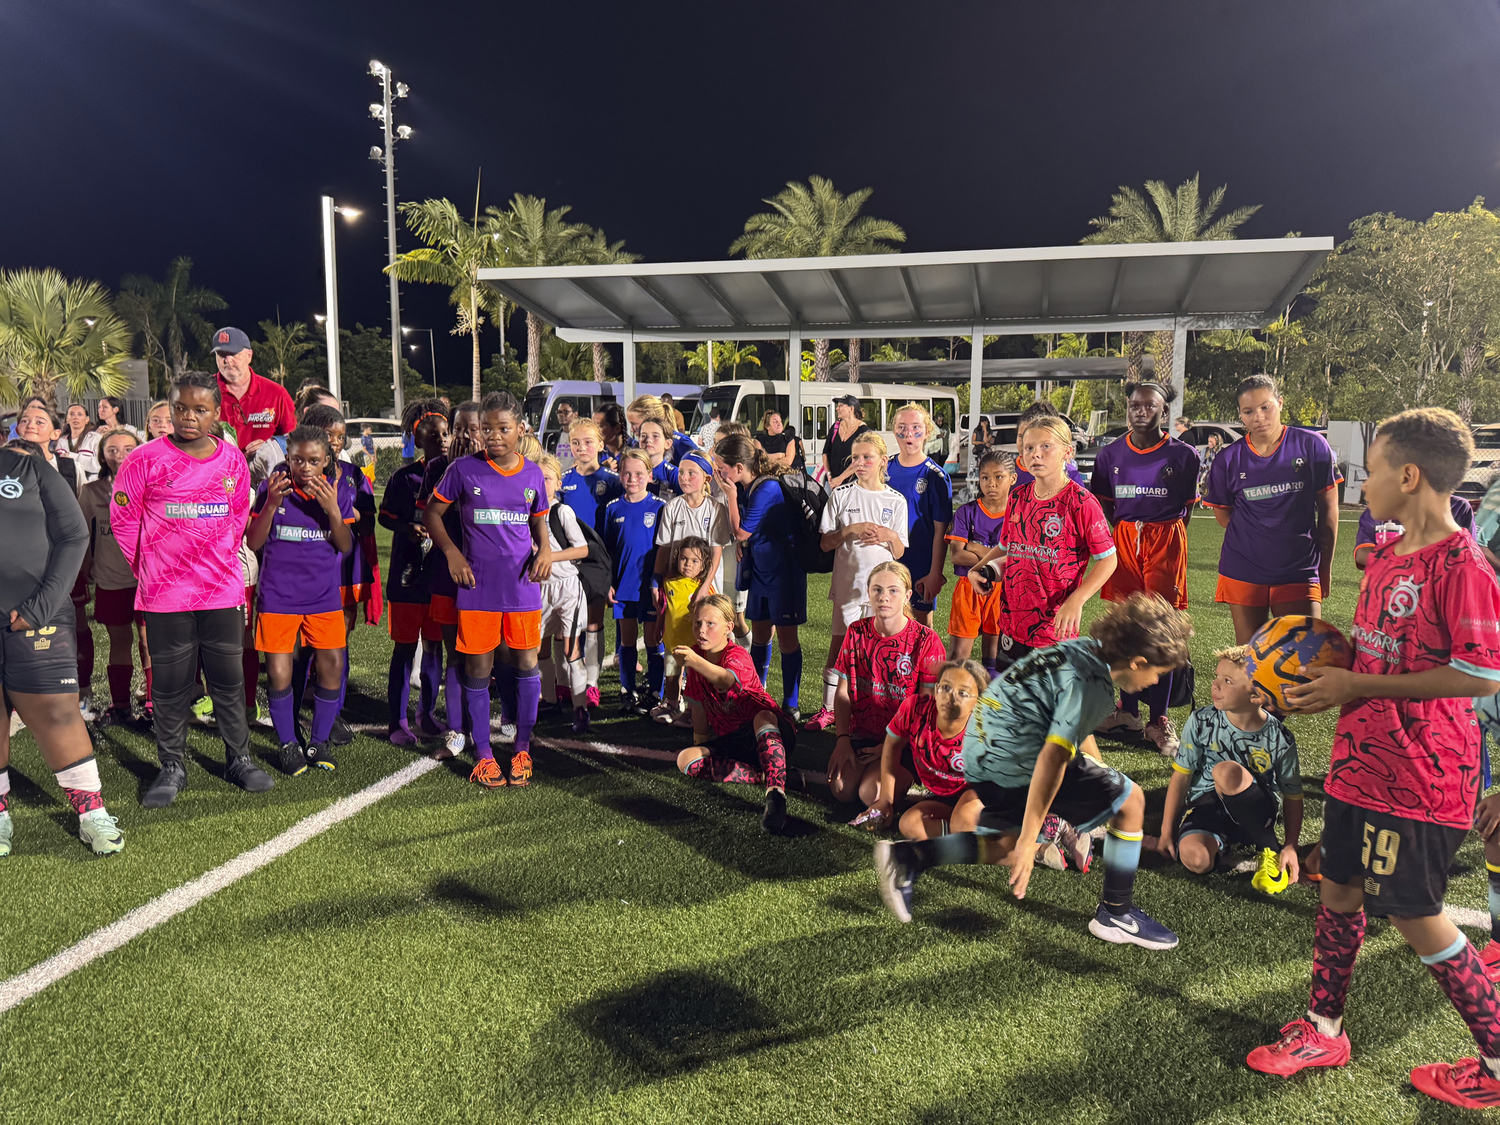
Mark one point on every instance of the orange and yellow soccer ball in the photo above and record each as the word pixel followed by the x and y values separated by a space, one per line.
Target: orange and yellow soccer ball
pixel 1285 647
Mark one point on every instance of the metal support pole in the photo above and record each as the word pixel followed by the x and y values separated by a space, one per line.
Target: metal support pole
pixel 390 236
pixel 976 382
pixel 794 391
pixel 709 344
pixel 1179 363
pixel 629 366
pixel 331 298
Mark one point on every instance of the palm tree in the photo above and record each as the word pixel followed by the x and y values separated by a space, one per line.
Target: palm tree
pixel 168 313
pixel 531 235
pixel 596 250
pixel 1179 216
pixel 814 220
pixel 728 356
pixel 457 249
pixel 284 346
pixel 58 332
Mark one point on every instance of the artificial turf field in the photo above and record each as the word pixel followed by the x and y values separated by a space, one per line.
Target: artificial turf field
pixel 618 943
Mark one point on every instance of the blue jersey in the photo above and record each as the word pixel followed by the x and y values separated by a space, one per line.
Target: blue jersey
pixel 588 495
pixel 664 481
pixel 682 445
pixel 630 536
pixel 929 501
pixel 1209 738
pixel 770 561
pixel 1056 694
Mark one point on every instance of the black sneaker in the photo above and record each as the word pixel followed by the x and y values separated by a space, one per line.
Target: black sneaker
pixel 318 755
pixel 164 789
pixel 291 759
pixel 627 703
pixel 243 771
pixel 341 735
pixel 773 820
pixel 644 703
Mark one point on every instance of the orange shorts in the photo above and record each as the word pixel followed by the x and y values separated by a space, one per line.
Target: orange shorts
pixel 357 594
pixel 443 609
pixel 1234 592
pixel 278 632
pixel 481 631
pixel 1152 559
pixel 971 612
pixel 408 622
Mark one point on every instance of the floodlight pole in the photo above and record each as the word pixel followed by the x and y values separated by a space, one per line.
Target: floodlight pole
pixel 1179 362
pixel 629 366
pixel 387 158
pixel 331 291
pixel 976 382
pixel 708 346
pixel 794 381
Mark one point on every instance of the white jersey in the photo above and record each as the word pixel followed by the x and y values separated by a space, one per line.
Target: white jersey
pixel 574 534
pixel 710 520
pixel 852 563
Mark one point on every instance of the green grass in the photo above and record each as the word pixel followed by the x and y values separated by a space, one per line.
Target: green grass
pixel 618 944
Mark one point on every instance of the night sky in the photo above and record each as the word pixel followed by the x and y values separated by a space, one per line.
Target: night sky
pixel 136 130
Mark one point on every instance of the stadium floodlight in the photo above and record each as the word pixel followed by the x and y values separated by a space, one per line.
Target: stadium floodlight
pixel 377 68
pixel 377 153
pixel 402 89
pixel 381 111
pixel 403 132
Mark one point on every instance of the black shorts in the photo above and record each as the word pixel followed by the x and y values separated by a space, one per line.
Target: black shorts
pixel 1403 864
pixel 1010 651
pixel 739 743
pixel 42 661
pixel 1208 815
pixel 1091 793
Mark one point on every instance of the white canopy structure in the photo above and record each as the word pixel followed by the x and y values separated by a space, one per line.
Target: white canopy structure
pixel 1169 285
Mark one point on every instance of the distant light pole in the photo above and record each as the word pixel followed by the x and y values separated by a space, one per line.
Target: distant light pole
pixel 381 111
pixel 431 350
pixel 331 289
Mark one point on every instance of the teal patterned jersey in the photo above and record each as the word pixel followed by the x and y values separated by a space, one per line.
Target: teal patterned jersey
pixel 1209 738
pixel 1055 694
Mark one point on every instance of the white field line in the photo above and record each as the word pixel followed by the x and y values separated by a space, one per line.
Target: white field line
pixel 22 987
pixel 809 777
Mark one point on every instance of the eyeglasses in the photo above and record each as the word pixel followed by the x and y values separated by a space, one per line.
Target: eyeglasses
pixel 962 693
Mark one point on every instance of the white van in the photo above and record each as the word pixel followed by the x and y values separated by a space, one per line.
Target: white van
pixel 541 402
pixel 749 400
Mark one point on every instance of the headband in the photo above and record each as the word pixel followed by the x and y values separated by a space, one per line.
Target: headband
pixel 430 414
pixel 1154 385
pixel 699 460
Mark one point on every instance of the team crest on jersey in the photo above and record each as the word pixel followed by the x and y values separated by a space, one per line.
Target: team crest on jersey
pixel 886 515
pixel 1402 598
pixel 649 519
pixel 120 498
pixel 599 489
pixel 1052 527
pixel 956 764
pixel 903 664
pixel 1260 760
pixel 921 485
pixel 10 488
pixel 229 485
pixel 1299 463
pixel 530 496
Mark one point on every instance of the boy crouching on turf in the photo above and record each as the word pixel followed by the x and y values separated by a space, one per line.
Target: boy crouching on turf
pixel 1404 770
pixel 1022 757
pixel 1233 761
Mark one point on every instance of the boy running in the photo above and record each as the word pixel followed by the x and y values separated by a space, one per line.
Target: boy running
pixel 1404 774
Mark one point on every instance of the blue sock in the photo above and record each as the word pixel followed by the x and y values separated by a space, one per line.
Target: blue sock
pixel 625 664
pixel 1494 873
pixel 791 678
pixel 432 675
pixel 284 719
pixel 528 695
pixel 453 693
pixel 477 708
pixel 760 656
pixel 1122 855
pixel 505 680
pixel 956 847
pixel 656 669
pixel 325 710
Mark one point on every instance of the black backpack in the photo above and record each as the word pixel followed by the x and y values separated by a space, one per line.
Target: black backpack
pixel 594 572
pixel 805 498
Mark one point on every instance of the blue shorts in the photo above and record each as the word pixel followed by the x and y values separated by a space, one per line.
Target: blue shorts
pixel 786 605
pixel 637 611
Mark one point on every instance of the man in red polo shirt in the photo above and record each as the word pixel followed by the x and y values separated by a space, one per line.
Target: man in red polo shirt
pixel 257 408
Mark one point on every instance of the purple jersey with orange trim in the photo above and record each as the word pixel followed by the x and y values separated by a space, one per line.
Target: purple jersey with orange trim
pixel 1418 758
pixel 1274 502
pixel 299 568
pixel 973 522
pixel 1048 547
pixel 1154 485
pixel 357 569
pixel 495 509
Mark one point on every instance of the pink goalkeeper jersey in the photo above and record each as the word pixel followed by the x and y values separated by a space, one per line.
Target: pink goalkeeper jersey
pixel 180 522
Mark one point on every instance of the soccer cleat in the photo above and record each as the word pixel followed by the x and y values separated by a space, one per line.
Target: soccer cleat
pixel 291 759
pixel 486 772
pixel 821 721
pixel 263 716
pixel 591 695
pixel 1120 722
pixel 1489 957
pixel 7 829
pixel 453 746
pixel 1134 927
pixel 1077 847
pixel 1465 1083
pixel 341 735
pixel 1163 735
pixel 627 703
pixel 506 733
pixel 116 717
pixel 401 736
pixel 101 832
pixel 894 878
pixel 520 768
pixel 318 755
pixel 247 775
pixel 683 719
pixel 1301 1045
pixel 86 708
pixel 773 820
pixel 203 709
pixel 164 788
pixel 1050 855
pixel 645 703
pixel 1269 877
pixel 580 720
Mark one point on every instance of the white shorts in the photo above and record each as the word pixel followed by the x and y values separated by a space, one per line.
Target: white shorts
pixel 848 613
pixel 564 612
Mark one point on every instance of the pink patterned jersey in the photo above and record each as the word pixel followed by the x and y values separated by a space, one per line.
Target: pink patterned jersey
pixel 882 671
pixel 939 761
pixel 735 706
pixel 1418 758
pixel 180 522
pixel 1048 547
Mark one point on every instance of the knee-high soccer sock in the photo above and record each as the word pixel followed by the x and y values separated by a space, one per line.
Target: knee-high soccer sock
pixel 578 680
pixel 283 714
pixel 1248 809
pixel 830 688
pixel 325 710
pixel 250 666
pixel 1460 974
pixel 4 790
pixel 772 756
pixel 431 676
pixel 956 847
pixel 991 666
pixel 119 683
pixel 80 785
pixel 302 671
pixel 656 669
pixel 148 685
pixel 1493 870
pixel 760 656
pixel 1156 697
pixel 528 695
pixel 343 681
pixel 724 769
pixel 477 709
pixel 625 665
pixel 1122 855
pixel 1336 941
pixel 791 679
pixel 398 684
pixel 1130 702
pixel 591 642
pixel 453 692
pixel 505 683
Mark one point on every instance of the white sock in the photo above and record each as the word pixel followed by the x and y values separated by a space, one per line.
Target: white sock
pixel 1331 1026
pixel 578 680
pixel 591 655
pixel 84 775
pixel 4 782
pixel 548 672
pixel 830 688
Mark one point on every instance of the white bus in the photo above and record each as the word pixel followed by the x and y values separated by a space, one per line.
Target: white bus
pixel 541 402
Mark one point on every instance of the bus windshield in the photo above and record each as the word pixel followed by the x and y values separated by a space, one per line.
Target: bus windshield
pixel 532 407
pixel 722 397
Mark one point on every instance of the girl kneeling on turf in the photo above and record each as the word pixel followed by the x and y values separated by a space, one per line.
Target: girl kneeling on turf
pixel 735 722
pixel 303 517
